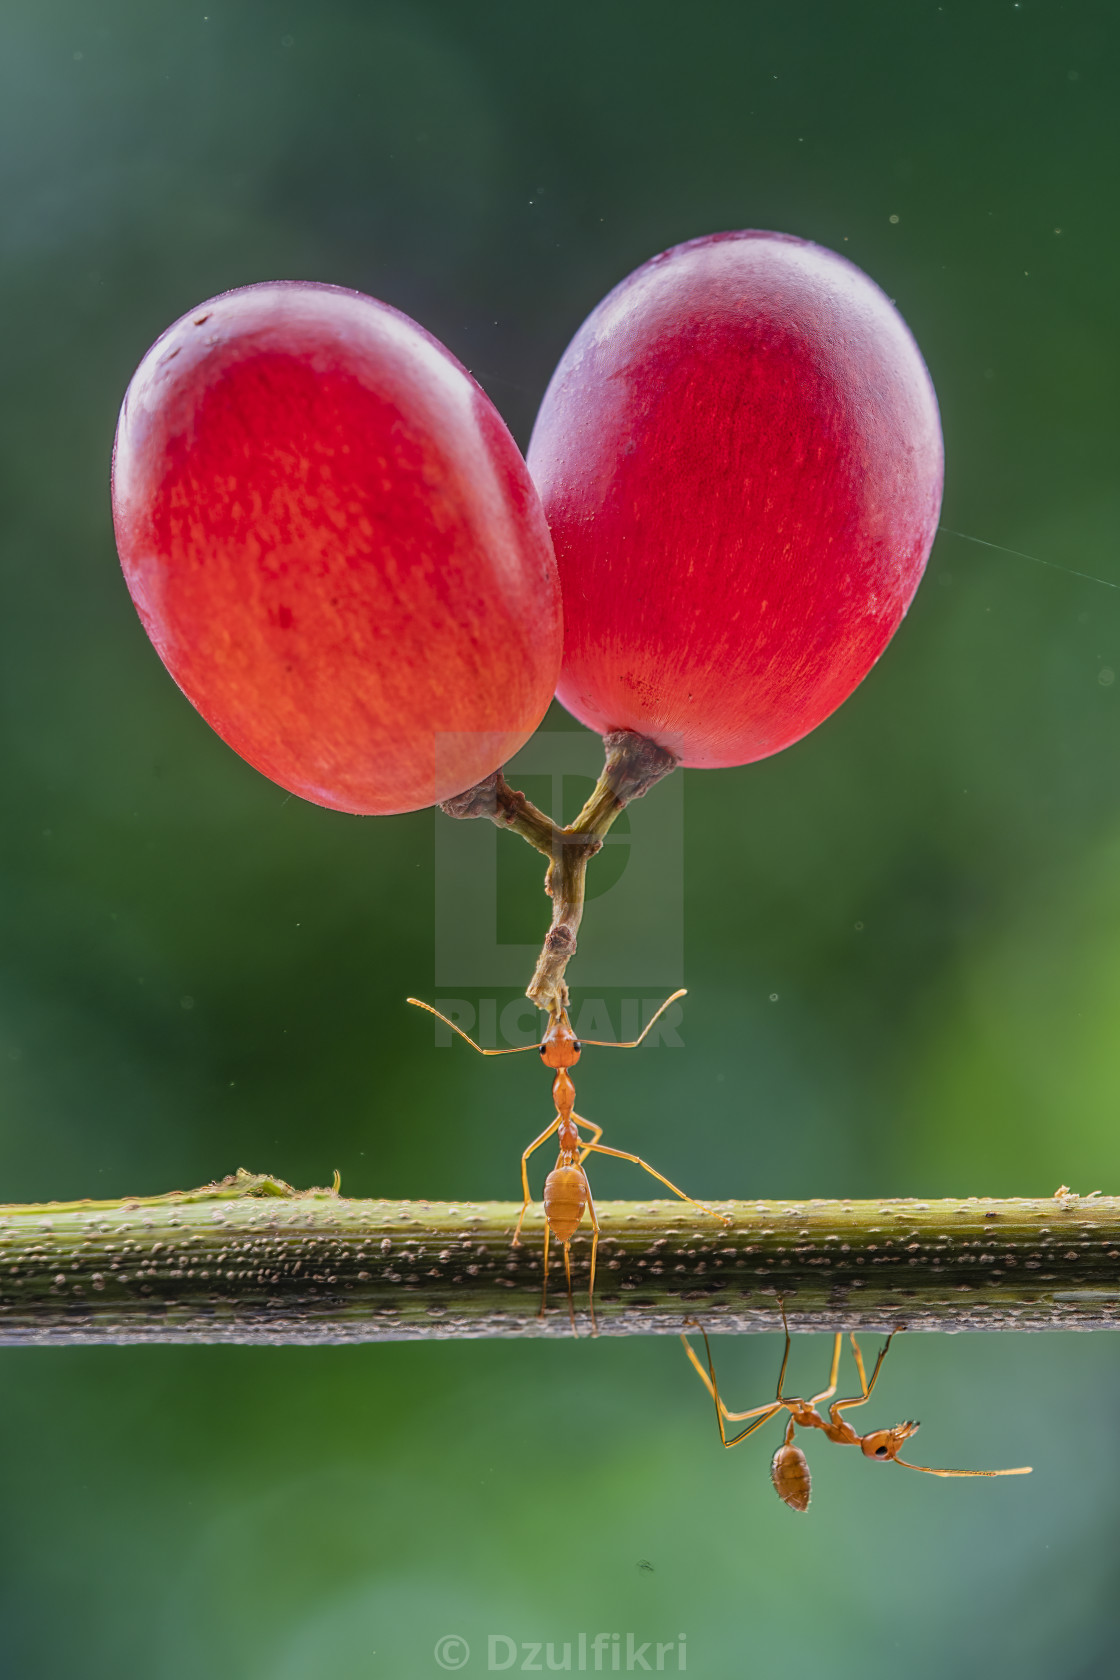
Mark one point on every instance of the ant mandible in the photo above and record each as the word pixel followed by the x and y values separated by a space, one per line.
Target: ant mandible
pixel 789 1469
pixel 567 1194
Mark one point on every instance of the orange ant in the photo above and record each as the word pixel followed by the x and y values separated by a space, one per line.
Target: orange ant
pixel 789 1470
pixel 567 1194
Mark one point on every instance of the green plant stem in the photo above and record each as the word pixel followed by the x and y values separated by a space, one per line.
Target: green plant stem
pixel 633 765
pixel 252 1260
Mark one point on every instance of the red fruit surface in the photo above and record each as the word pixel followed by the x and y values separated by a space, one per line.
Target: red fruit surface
pixel 335 547
pixel 740 460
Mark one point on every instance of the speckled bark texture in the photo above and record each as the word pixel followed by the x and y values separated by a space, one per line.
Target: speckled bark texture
pixel 252 1260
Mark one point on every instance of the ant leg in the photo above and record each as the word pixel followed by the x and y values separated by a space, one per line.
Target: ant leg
pixel 771 1410
pixel 622 1155
pixel 839 1406
pixel 785 1356
pixel 831 1389
pixel 732 1417
pixel 592 1127
pixel 526 1198
pixel 698 1368
pixel 544 1289
pixel 827 1393
pixel 594 1253
pixel 568 1275
pixel 761 1414
pixel 708 1380
pixel 859 1362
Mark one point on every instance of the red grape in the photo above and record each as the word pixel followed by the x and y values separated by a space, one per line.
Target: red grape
pixel 335 547
pixel 740 460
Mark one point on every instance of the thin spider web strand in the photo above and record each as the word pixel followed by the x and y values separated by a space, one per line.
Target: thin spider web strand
pixel 1019 555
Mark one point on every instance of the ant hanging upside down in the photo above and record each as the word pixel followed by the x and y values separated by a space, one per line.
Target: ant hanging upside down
pixel 567 1194
pixel 789 1470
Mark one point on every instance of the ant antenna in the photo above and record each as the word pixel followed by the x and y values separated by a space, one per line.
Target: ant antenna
pixel 516 1050
pixel 928 1470
pixel 609 1044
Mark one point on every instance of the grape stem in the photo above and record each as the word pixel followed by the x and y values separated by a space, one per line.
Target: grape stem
pixel 633 765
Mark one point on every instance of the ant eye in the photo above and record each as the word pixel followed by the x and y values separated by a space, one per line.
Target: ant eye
pixel 880 1452
pixel 543 1048
pixel 576 1045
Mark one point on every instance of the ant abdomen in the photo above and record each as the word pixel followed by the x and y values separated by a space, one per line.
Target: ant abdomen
pixel 789 1472
pixel 565 1201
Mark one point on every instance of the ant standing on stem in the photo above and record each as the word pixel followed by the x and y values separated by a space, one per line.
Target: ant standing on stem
pixel 567 1194
pixel 789 1470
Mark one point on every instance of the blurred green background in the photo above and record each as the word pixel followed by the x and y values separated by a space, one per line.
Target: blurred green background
pixel 198 973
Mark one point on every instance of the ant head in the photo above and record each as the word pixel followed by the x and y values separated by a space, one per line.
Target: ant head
pixel 560 1047
pixel 886 1443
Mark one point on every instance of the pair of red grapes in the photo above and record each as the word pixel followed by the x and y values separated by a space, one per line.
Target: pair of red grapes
pixel 340 555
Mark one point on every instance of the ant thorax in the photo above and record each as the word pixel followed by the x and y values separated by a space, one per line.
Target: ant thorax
pixel 563 1094
pixel 567 1137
